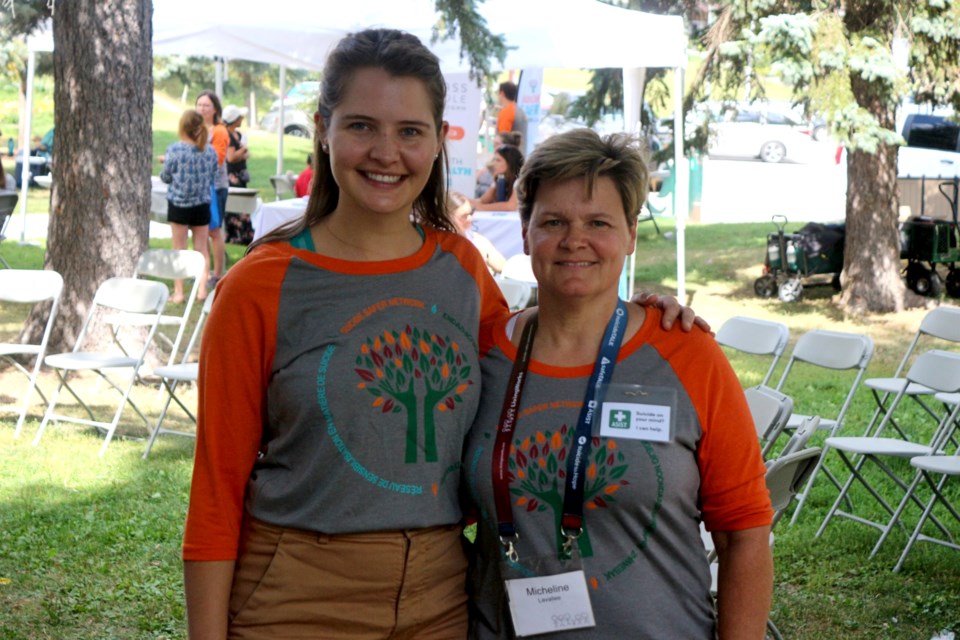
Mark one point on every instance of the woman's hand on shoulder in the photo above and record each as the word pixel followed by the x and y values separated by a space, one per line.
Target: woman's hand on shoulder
pixel 672 309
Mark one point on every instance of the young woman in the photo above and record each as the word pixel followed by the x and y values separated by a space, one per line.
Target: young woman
pixel 339 375
pixel 603 439
pixel 208 105
pixel 189 167
pixel 507 161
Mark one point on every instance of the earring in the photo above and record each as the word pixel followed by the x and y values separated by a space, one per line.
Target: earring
pixel 324 147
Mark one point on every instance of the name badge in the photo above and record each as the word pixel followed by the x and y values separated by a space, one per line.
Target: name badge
pixel 649 422
pixel 546 604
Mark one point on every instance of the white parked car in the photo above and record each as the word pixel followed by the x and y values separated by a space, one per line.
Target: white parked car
pixel 296 121
pixel 754 131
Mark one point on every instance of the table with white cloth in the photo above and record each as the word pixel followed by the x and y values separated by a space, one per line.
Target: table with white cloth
pixel 239 200
pixel 502 228
pixel 274 214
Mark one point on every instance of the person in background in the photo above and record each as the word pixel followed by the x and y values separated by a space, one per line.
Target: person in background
pixel 237 150
pixel 462 213
pixel 510 118
pixel 338 378
pixel 237 226
pixel 302 185
pixel 208 105
pixel 189 167
pixel 506 164
pixel 606 503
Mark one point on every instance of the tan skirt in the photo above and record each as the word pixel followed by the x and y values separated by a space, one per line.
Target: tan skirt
pixel 293 584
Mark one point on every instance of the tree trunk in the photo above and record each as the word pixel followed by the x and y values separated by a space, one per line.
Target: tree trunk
pixel 100 203
pixel 871 259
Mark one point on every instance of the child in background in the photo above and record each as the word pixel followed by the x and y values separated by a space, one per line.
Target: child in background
pixel 189 167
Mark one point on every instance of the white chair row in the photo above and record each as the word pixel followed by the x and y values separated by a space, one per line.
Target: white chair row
pixel 119 302
pixel 939 372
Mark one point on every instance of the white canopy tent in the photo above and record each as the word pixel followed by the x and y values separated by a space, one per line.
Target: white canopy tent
pixel 538 33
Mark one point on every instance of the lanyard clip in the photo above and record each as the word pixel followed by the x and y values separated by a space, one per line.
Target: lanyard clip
pixel 511 551
pixel 571 537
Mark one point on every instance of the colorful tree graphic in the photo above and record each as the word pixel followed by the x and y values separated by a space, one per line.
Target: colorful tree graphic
pixel 414 369
pixel 539 469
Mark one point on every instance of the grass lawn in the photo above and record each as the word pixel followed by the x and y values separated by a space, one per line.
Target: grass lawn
pixel 89 548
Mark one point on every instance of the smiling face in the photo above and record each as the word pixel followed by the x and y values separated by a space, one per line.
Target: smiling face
pixel 382 142
pixel 577 244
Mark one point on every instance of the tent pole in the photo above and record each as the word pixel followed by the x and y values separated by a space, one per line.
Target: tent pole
pixel 25 147
pixel 218 76
pixel 280 124
pixel 681 189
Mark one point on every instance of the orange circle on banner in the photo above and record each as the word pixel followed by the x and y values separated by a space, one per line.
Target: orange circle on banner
pixel 455 133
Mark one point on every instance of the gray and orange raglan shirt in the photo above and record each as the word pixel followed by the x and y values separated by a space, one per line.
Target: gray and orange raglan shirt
pixel 641 550
pixel 335 396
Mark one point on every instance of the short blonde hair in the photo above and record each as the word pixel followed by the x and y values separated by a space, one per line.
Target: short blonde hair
pixel 583 153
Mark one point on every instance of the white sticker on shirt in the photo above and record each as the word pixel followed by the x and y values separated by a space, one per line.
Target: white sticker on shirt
pixel 649 422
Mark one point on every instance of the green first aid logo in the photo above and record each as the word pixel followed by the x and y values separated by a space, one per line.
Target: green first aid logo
pixel 619 419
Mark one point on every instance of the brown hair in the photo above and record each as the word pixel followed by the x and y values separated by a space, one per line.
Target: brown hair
pixel 583 153
pixel 514 159
pixel 401 55
pixel 193 128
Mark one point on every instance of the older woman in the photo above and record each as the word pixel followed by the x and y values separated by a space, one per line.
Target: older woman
pixel 614 439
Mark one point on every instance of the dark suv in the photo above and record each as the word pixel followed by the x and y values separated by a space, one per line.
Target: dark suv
pixel 931 132
pixel 932 149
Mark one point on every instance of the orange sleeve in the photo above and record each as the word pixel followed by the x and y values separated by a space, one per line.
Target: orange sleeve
pixel 235 362
pixel 220 142
pixel 733 489
pixel 493 306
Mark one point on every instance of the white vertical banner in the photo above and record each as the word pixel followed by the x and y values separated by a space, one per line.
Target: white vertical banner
pixel 528 99
pixel 462 113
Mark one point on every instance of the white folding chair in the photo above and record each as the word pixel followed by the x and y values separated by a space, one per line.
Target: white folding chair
pixel 282 186
pixel 801 435
pixel 927 466
pixel 827 352
pixel 940 324
pixel 770 410
pixel 174 374
pixel 516 293
pixel 755 337
pixel 784 477
pixel 519 267
pixel 24 286
pixel 166 264
pixel 938 370
pixel 517 281
pixel 128 295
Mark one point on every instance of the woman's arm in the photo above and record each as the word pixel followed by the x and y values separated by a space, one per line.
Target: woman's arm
pixel 744 582
pixel 672 309
pixel 489 196
pixel 207 587
pixel 510 204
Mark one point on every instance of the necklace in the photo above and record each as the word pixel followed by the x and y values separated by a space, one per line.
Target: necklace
pixel 361 251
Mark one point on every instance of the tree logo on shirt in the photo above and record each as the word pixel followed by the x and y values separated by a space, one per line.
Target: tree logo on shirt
pixel 418 372
pixel 538 468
